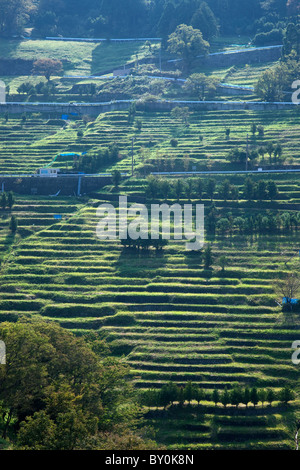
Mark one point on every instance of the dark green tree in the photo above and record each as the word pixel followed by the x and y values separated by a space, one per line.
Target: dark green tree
pixel 187 43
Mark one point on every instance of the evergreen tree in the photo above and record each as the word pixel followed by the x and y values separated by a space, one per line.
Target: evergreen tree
pixel 254 396
pixel 210 189
pixel 270 396
pixel 13 224
pixel 225 398
pixel 208 258
pixel 246 397
pixel 216 396
pixel 205 20
pixel 3 200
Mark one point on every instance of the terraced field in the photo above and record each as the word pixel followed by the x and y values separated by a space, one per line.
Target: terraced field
pixel 153 143
pixel 171 319
pixel 26 146
pixel 79 58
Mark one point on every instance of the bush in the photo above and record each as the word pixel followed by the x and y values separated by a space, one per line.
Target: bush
pixel 272 37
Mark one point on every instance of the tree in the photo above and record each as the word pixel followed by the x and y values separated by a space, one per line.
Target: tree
pixel 289 288
pixel 201 85
pixel 116 178
pixel 216 396
pixel 181 113
pixel 205 20
pixel 246 397
pixel 12 15
pixel 199 394
pixel 273 83
pixel 3 201
pixel 199 188
pixel 187 43
pixel 262 395
pixel 225 398
pixel 278 152
pixel 208 258
pixel 178 188
pixel 270 396
pixel 254 396
pixel 270 150
pixel 13 224
pixel 236 396
pixel 267 87
pixel 139 124
pixel 210 188
pixel 223 225
pixel 225 189
pixel 223 262
pixel 286 395
pixel 261 131
pixel 272 190
pixel 189 392
pixel 262 190
pixel 47 67
pixel 237 155
pixel 291 40
pixel 249 189
pixel 53 379
pixel 253 128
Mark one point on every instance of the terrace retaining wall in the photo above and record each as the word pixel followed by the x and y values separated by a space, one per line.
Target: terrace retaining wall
pixel 68 186
pixel 95 109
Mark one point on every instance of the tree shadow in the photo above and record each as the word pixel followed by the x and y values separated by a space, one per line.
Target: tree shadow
pixel 140 263
pixel 108 55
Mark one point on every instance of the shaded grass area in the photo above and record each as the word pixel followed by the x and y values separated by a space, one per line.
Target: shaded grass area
pixel 78 57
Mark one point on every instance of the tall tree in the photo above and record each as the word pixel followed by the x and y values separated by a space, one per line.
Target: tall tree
pixel 187 43
pixel 12 15
pixel 204 20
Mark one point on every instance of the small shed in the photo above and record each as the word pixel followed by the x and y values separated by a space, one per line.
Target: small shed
pixel 48 172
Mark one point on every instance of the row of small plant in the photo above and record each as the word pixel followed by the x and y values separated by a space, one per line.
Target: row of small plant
pixel 198 189
pixel 257 223
pixel 171 394
pixel 240 155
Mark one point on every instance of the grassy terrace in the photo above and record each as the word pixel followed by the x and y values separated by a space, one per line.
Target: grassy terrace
pixel 152 144
pixel 79 58
pixel 24 147
pixel 27 146
pixel 172 319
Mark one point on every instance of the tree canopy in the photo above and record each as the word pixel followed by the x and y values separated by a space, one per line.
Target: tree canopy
pixel 187 43
pixel 63 392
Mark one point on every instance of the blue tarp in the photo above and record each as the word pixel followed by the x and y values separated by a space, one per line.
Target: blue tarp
pixel 287 300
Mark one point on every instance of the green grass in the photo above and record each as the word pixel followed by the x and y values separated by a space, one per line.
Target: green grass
pixel 25 147
pixel 79 58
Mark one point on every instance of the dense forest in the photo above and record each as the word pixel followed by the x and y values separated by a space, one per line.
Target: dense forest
pixel 117 18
